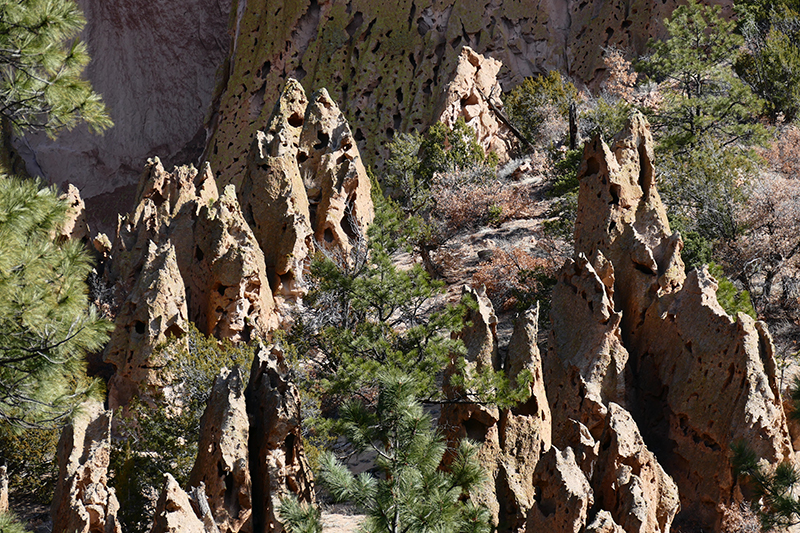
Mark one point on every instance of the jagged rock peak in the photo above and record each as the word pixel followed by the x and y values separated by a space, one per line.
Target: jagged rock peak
pixel 278 465
pixel 273 196
pixel 154 309
pixel 339 190
pixel 185 254
pixel 223 464
pixel 472 94
pixel 511 440
pixel 83 500
pixel 305 183
pixel 695 380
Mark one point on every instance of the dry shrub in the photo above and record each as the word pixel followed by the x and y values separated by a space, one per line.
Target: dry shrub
pixel 783 155
pixel 767 256
pixel 515 278
pixel 621 78
pixel 739 518
pixel 470 203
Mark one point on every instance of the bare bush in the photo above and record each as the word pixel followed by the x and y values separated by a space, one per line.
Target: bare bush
pixel 515 278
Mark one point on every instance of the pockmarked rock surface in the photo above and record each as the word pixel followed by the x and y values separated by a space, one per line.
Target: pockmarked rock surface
pixel 250 455
pixel 278 463
pixel 184 254
pixel 474 95
pixel 223 462
pixel 646 381
pixel 696 379
pixel 511 440
pixel 305 186
pixel 174 511
pixel 83 502
pixel 388 64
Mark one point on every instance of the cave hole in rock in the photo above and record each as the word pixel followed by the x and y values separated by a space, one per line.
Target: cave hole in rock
pixel 324 139
pixel 592 166
pixel 139 327
pixel 174 331
pixel 328 235
pixel 349 223
pixel 198 253
pixel 302 157
pixel 413 61
pixel 615 189
pixel 221 290
pixel 289 448
pixel 358 20
pixel 264 70
pixel 475 430
pixel 296 120
pixel 399 95
pixel 472 99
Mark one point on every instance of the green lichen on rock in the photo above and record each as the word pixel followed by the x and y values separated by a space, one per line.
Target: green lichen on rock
pixel 387 63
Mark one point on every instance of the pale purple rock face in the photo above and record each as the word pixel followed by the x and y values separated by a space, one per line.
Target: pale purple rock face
pixel 155 63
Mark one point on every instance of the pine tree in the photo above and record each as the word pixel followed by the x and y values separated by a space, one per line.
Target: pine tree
pixel 46 324
pixel 704 99
pixel 411 493
pixel 41 67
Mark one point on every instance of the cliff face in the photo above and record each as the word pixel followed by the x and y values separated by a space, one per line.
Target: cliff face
pixel 154 63
pixel 174 76
pixel 387 64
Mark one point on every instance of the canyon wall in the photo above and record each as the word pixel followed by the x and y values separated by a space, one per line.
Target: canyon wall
pixel 205 73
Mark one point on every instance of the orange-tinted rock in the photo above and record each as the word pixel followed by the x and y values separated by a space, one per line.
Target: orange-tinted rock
pixel 278 463
pixel 222 464
pixel 83 502
pixel 475 82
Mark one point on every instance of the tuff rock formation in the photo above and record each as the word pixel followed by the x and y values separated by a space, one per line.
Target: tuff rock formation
pixel 82 501
pixel 75 227
pixel 388 64
pixel 512 440
pixel 174 511
pixel 278 462
pixel 474 94
pixel 250 455
pixel 184 254
pixel 648 381
pixel 222 465
pixel 154 309
pixel 305 183
pixel 695 379
pixel 273 195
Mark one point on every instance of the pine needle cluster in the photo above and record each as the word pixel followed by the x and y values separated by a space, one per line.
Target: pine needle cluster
pixel 46 323
pixel 410 493
pixel 41 68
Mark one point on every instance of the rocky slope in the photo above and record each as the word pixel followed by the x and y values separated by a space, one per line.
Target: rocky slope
pixel 645 382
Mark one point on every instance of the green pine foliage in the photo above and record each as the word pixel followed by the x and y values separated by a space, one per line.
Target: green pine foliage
pixel 10 524
pixel 732 299
pixel 41 68
pixel 704 99
pixel 774 497
pixel 46 323
pixel 410 493
pixel 415 160
pixel 770 63
pixel 529 104
pixel 366 315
